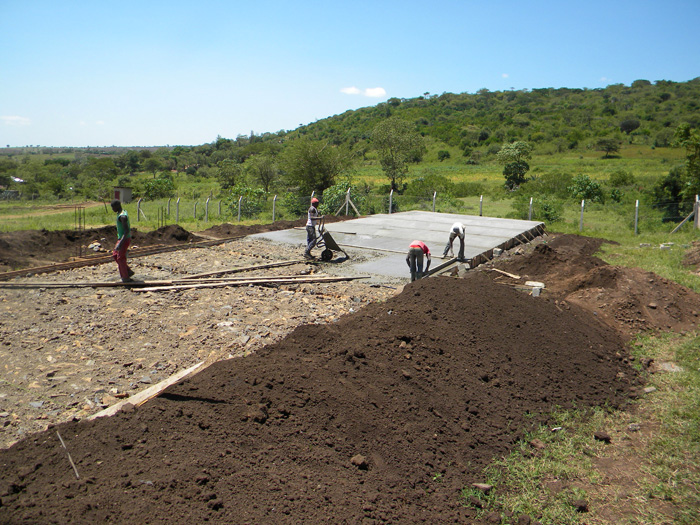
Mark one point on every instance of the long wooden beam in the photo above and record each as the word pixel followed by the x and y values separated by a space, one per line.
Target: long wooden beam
pixel 140 284
pixel 245 269
pixel 246 282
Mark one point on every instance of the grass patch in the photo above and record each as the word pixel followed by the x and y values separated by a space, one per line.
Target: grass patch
pixel 649 474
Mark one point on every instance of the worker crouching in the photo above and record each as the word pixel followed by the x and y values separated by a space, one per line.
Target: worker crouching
pixel 416 251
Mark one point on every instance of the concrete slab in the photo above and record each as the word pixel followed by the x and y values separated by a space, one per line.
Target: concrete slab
pixel 389 235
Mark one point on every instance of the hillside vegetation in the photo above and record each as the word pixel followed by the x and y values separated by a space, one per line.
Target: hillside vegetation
pixel 557 146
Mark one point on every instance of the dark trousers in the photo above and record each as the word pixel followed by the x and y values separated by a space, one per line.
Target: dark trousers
pixel 415 263
pixel 310 238
pixel 449 245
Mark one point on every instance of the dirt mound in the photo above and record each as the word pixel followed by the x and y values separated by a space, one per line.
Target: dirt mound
pixel 628 299
pixel 381 417
pixel 27 248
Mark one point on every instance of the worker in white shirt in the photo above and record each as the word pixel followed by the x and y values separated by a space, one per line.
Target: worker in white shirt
pixel 457 230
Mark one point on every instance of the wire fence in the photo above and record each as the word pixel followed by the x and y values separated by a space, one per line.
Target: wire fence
pixel 633 216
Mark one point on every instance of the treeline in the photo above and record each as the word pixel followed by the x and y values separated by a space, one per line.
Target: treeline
pixel 554 119
pixel 394 134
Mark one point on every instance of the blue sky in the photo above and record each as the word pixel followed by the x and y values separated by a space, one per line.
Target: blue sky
pixel 153 73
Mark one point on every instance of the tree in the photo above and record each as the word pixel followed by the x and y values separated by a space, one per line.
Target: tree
pixel 689 138
pixel 514 156
pixel 608 146
pixel 629 125
pixel 313 166
pixel 514 152
pixel 443 155
pixel 153 164
pixel 397 143
pixel 585 188
pixel 514 173
pixel 263 169
pixel 229 173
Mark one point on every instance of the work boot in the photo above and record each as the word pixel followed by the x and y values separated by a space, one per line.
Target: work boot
pixel 131 272
pixel 307 255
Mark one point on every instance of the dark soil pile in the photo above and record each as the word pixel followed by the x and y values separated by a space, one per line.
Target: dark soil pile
pixel 630 300
pixel 383 416
pixel 28 248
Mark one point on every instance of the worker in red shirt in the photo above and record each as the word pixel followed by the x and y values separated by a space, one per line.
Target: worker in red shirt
pixel 414 259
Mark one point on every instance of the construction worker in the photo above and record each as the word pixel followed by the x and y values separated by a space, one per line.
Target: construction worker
pixel 311 224
pixel 123 241
pixel 457 230
pixel 414 259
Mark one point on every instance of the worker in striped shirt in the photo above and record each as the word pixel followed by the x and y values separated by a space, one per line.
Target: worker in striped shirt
pixel 414 259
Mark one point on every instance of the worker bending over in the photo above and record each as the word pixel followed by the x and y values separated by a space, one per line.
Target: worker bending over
pixel 414 259
pixel 457 230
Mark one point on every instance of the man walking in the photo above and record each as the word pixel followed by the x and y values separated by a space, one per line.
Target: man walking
pixel 457 230
pixel 414 259
pixel 123 241
pixel 311 223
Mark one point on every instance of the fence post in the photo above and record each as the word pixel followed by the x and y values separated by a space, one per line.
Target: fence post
pixel 529 213
pixel 177 211
pixel 696 208
pixel 391 199
pixel 219 207
pixel 206 210
pixel 239 208
pixel 481 206
pixel 195 211
pixel 138 210
pixel 169 205
pixel 636 217
pixel 347 201
pixel 434 194
pixel 274 201
pixel 580 224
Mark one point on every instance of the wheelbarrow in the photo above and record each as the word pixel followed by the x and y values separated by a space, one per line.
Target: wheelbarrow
pixel 325 240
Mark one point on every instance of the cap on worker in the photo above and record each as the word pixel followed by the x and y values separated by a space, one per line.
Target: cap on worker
pixel 314 201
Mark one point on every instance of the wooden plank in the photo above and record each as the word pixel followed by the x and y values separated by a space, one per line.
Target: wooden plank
pixel 142 284
pixel 149 393
pixel 506 273
pixel 248 281
pixel 245 269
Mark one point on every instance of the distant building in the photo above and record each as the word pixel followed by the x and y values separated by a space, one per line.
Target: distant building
pixel 122 194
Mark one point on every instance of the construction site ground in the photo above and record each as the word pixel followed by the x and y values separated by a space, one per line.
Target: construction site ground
pixel 363 401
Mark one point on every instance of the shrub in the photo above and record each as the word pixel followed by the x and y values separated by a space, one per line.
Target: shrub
pixel 334 198
pixel 583 187
pixel 252 200
pixel 621 178
pixel 159 188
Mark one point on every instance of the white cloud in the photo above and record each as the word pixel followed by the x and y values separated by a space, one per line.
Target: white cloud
pixel 369 92
pixel 375 92
pixel 16 121
pixel 505 75
pixel 100 122
pixel 604 79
